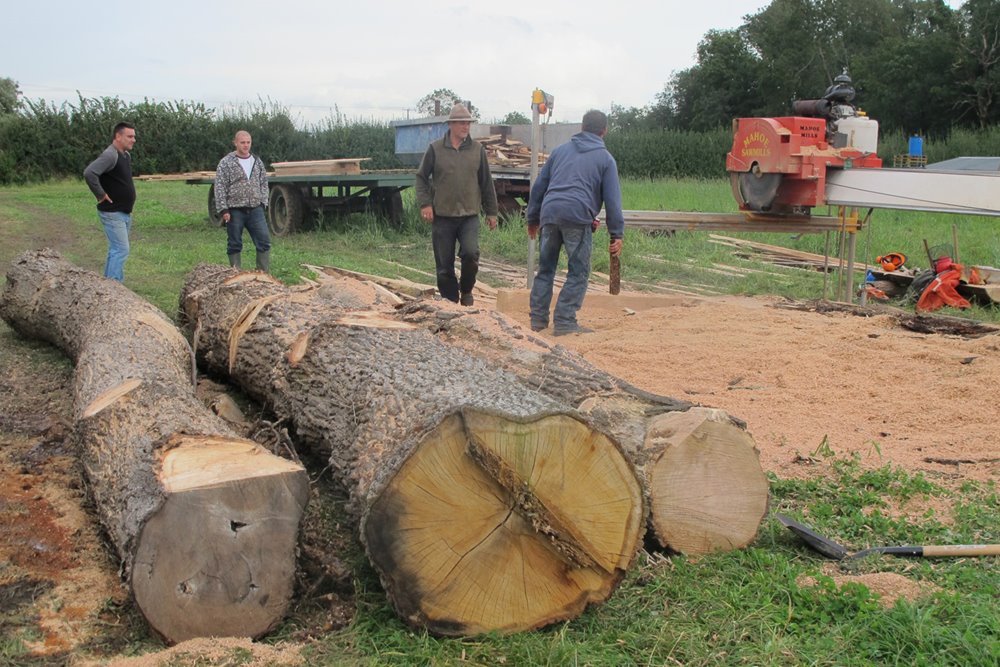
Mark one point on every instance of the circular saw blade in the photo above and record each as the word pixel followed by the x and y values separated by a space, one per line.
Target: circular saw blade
pixel 756 190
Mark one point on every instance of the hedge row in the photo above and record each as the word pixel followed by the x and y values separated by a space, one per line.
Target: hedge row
pixel 45 141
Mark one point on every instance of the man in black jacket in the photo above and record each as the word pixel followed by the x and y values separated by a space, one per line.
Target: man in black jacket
pixel 110 179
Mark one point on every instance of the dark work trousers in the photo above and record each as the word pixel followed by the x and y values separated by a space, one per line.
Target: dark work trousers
pixel 446 232
pixel 255 222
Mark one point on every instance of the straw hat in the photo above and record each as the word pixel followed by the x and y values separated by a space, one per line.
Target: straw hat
pixel 459 114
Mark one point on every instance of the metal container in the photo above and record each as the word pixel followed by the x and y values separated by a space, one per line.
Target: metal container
pixel 413 137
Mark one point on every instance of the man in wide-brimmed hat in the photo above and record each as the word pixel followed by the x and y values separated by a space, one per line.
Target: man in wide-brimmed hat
pixel 453 185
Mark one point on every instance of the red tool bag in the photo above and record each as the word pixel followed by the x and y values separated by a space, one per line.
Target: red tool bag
pixel 943 290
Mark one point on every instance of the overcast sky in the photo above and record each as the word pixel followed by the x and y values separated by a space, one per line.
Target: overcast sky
pixel 371 59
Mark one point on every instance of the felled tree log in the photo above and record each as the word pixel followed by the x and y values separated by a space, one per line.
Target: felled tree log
pixel 205 523
pixel 483 505
pixel 701 470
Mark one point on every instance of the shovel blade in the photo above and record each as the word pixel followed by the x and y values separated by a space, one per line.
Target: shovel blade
pixel 817 542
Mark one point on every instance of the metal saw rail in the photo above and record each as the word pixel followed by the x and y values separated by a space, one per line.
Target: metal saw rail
pixel 965 192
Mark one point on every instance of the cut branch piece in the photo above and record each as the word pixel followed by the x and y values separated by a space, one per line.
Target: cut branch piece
pixel 205 523
pixel 483 505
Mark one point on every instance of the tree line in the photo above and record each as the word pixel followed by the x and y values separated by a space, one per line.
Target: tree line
pixel 43 141
pixel 918 66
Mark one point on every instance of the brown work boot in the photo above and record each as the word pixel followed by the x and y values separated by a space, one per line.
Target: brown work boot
pixel 466 299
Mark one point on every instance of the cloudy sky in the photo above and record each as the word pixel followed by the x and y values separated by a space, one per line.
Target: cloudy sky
pixel 369 59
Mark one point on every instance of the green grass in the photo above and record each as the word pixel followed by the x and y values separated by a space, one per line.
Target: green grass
pixel 747 607
pixel 740 608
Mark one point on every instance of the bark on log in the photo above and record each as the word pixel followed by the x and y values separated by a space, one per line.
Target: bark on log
pixel 701 470
pixel 484 506
pixel 205 523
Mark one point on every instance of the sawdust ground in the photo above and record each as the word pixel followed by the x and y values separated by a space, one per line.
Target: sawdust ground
pixel 808 383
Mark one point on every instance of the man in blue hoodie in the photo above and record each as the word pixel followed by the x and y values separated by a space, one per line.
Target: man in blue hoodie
pixel 577 179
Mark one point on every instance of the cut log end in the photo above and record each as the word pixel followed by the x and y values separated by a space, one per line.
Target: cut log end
pixel 218 558
pixel 496 524
pixel 707 489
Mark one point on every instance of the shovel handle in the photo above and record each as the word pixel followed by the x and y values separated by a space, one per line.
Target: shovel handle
pixel 963 550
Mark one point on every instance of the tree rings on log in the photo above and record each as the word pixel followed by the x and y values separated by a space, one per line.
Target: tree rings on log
pixel 498 525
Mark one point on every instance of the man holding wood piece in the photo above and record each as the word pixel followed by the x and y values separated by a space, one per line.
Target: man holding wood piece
pixel 453 184
pixel 578 178
pixel 240 197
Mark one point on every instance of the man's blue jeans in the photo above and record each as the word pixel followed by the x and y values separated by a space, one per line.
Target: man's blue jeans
pixel 117 225
pixel 579 242
pixel 254 221
pixel 445 233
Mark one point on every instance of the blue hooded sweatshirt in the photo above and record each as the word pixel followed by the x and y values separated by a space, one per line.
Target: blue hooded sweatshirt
pixel 577 178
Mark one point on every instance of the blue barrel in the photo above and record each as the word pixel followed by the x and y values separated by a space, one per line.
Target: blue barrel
pixel 916 146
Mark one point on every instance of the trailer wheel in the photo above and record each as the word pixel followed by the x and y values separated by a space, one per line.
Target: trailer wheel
pixel 388 203
pixel 284 211
pixel 214 218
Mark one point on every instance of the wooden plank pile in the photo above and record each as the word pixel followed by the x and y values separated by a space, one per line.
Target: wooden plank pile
pixel 339 167
pixel 503 151
pixel 187 175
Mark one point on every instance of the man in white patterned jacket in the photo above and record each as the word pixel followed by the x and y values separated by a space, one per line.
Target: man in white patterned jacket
pixel 240 198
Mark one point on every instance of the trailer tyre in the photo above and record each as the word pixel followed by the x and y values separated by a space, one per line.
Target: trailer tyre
pixel 284 210
pixel 214 218
pixel 388 203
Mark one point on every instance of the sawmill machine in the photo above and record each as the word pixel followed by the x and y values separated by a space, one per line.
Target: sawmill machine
pixel 779 166
pixel 826 155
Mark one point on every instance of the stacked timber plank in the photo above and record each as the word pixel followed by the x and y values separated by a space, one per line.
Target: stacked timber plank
pixel 339 167
pixel 185 176
pixel 503 151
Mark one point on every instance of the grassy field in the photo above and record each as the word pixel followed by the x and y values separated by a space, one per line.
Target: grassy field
pixel 171 234
pixel 749 607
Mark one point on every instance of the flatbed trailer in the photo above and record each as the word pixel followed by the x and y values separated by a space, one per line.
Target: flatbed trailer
pixel 296 199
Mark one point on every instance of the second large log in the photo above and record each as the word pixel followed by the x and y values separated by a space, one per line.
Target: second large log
pixel 483 505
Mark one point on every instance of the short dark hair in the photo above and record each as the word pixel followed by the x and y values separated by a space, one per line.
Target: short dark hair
pixel 121 126
pixel 595 121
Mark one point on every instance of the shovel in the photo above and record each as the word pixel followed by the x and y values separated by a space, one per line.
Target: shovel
pixel 831 549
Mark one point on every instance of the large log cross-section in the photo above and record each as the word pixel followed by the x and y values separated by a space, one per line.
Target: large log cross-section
pixel 205 522
pixel 483 505
pixel 705 485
